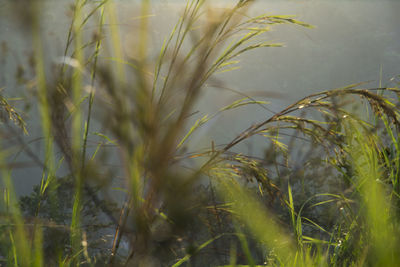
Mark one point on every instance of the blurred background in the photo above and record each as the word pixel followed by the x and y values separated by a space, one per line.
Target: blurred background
pixel 352 41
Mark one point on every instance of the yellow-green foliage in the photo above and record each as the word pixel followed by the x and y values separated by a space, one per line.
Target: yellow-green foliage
pixel 238 208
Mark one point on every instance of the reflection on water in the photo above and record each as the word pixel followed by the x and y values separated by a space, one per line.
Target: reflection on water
pixel 353 41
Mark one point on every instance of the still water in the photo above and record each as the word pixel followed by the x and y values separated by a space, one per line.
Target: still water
pixel 352 41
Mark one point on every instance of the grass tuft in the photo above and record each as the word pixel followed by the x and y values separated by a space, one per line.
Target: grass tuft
pixel 120 187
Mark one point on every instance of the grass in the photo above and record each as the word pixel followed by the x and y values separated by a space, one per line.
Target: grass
pixel 232 209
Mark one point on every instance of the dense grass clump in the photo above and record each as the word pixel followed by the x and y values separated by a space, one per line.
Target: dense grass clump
pixel 326 192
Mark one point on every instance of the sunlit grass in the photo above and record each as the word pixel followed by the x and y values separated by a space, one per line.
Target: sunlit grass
pixel 228 209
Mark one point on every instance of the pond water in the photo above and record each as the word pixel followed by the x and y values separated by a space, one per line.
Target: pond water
pixel 353 41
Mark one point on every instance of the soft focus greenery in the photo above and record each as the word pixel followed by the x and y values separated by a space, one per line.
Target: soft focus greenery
pixel 326 192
